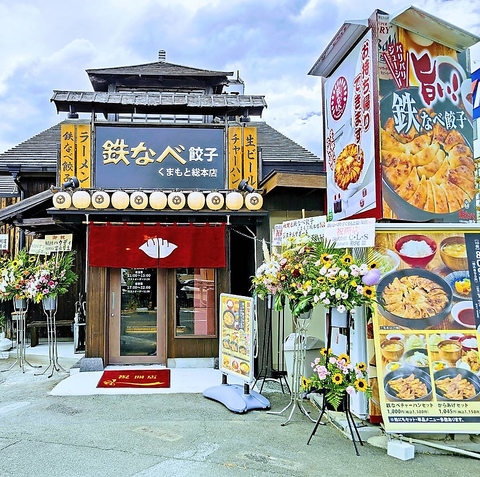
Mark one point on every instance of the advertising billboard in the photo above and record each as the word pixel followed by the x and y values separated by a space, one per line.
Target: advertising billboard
pixel 426 135
pixel 426 330
pixel 349 134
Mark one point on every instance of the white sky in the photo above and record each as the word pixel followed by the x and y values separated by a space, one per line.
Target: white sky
pixel 47 45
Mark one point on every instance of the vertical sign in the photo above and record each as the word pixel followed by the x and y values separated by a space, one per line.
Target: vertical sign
pixel 67 152
pixel 83 162
pixel 3 241
pixel 235 171
pixel 236 336
pixel 250 156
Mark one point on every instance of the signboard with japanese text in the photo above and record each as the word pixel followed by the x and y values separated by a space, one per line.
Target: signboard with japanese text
pixel 236 336
pixel 138 280
pixel 242 156
pixel 349 131
pixel 75 153
pixel 426 331
pixel 351 233
pixel 38 247
pixel 3 241
pixel 311 226
pixel 58 243
pixel 159 157
pixel 426 130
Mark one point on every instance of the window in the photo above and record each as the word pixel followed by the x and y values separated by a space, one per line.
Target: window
pixel 195 302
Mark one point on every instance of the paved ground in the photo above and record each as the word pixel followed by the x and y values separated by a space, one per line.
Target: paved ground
pixel 155 435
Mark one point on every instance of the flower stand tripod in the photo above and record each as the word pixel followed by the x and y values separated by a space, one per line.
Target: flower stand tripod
pixel 21 306
pixel 299 353
pixel 50 309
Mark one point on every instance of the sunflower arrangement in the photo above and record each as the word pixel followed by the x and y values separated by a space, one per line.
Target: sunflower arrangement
pixel 312 271
pixel 336 376
pixel 15 274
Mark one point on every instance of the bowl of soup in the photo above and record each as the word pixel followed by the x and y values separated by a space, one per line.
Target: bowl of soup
pixel 392 350
pixel 450 350
pixel 453 252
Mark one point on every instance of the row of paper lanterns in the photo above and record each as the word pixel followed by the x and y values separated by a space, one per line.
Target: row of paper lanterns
pixel 157 200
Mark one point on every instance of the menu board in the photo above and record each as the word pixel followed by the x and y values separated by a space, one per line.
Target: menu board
pixel 426 130
pixel 236 336
pixel 426 332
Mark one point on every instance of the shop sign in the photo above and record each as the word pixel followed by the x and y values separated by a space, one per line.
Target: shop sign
pixel 242 156
pixel 426 131
pixel 236 336
pixel 349 141
pixel 75 153
pixel 425 330
pixel 159 157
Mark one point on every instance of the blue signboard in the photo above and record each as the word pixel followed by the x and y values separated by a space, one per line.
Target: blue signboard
pixel 476 94
pixel 132 157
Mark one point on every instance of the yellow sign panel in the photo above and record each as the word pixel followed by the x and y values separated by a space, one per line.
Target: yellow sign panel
pixel 83 161
pixel 250 156
pixel 75 153
pixel 67 152
pixel 235 165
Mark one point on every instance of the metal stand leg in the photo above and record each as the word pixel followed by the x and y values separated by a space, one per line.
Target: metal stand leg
pixel 52 342
pixel 299 354
pixel 20 334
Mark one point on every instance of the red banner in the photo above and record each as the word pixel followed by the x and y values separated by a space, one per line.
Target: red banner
pixel 157 246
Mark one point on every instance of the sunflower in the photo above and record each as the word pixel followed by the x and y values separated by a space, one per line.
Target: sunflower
pixel 369 292
pixel 347 259
pixel 321 279
pixel 325 258
pixel 372 265
pixel 361 384
pixel 361 366
pixel 306 382
pixel 345 357
pixel 337 378
pixel 325 351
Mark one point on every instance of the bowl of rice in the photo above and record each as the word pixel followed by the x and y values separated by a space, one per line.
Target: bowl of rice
pixel 416 250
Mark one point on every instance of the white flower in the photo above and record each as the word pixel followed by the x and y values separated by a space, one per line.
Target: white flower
pixel 332 291
pixel 341 308
pixel 326 301
pixel 343 274
pixel 344 296
pixel 363 269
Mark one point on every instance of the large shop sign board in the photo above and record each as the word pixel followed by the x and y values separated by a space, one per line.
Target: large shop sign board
pixel 426 328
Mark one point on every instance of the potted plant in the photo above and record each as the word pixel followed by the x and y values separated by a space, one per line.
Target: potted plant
pixel 15 275
pixel 337 377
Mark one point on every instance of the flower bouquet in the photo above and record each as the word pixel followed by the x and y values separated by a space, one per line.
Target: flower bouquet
pixel 52 276
pixel 313 271
pixel 336 376
pixel 15 274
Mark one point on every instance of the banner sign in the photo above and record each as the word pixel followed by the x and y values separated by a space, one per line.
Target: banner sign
pixel 426 331
pixel 159 157
pixel 311 226
pixel 58 243
pixel 236 336
pixel 351 233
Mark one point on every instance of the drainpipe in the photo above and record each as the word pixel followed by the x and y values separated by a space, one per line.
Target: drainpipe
pixel 16 179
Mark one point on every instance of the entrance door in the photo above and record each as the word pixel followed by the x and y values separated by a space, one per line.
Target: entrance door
pixel 137 316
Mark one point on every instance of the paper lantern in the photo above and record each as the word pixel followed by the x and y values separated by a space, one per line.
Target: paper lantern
pixel 81 199
pixel 138 200
pixel 234 200
pixel 120 199
pixel 100 199
pixel 196 200
pixel 176 200
pixel 158 200
pixel 215 201
pixel 253 201
pixel 62 200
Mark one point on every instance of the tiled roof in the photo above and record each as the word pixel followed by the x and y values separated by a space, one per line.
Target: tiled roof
pixel 141 102
pixel 157 68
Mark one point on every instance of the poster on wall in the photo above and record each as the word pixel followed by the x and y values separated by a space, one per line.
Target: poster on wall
pixel 349 134
pixel 236 336
pixel 426 332
pixel 426 130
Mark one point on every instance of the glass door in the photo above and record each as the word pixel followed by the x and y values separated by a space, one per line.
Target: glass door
pixel 137 316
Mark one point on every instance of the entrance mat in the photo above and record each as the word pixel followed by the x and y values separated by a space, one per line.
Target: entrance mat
pixel 155 378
